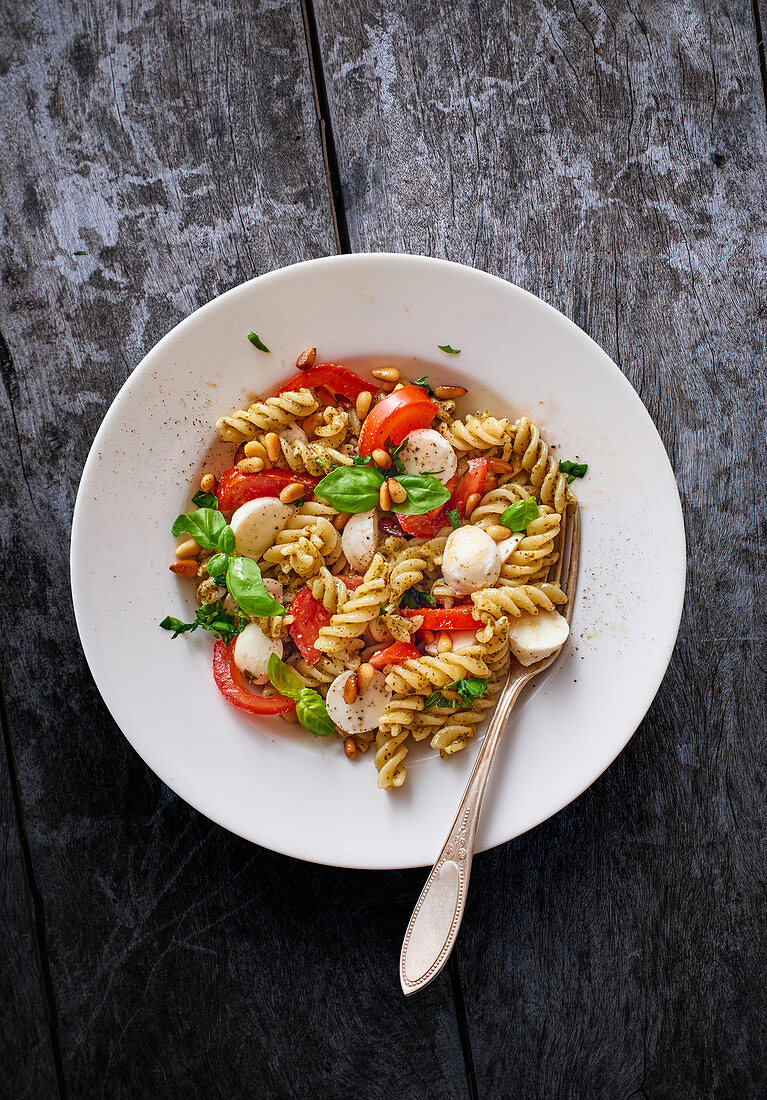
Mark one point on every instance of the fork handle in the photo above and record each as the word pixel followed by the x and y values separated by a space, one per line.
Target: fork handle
pixel 436 919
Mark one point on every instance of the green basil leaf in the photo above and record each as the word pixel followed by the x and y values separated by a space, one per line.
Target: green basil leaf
pixel 257 342
pixel 243 579
pixel 226 540
pixel 455 519
pixel 424 493
pixel 351 488
pixel 396 461
pixel 519 515
pixel 471 688
pixel 448 350
pixel 212 617
pixel 437 699
pixel 312 713
pixel 205 500
pixel 425 384
pixel 205 526
pixel 169 623
pixel 413 597
pixel 283 678
pixel 217 565
pixel 573 469
pixel 362 460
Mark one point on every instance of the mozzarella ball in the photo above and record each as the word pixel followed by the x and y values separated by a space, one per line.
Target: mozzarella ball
pixel 252 650
pixel 366 710
pixel 427 452
pixel 471 560
pixel 257 524
pixel 359 539
pixel 534 637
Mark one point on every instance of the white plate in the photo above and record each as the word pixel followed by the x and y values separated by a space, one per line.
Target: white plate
pixel 264 779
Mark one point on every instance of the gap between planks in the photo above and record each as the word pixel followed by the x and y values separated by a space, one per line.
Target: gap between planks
pixel 760 48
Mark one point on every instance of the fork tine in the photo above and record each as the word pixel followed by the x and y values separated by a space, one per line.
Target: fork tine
pixel 556 574
pixel 572 565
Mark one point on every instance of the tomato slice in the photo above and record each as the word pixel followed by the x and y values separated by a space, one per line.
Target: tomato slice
pixel 337 378
pixel 235 489
pixel 395 654
pixel 309 617
pixel 226 675
pixel 444 618
pixel 401 412
pixel 428 524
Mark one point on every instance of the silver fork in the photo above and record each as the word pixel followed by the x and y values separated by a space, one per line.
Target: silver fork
pixel 433 927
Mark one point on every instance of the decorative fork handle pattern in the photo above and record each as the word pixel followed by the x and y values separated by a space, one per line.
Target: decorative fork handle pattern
pixel 436 919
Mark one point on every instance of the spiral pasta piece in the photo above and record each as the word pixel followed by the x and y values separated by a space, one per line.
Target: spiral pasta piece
pixel 413 561
pixel 305 542
pixel 550 485
pixel 534 553
pixel 323 672
pixel 423 675
pixel 275 626
pixel 316 458
pixel 330 591
pixel 476 433
pixel 333 427
pixel 266 416
pixel 516 600
pixel 494 503
pixel 347 625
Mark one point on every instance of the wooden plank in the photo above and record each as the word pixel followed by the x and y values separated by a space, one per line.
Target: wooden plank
pixel 612 160
pixel 154 157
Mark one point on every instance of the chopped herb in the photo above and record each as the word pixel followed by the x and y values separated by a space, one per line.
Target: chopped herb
pixel 320 461
pixel 573 469
pixel 448 350
pixel 437 699
pixel 212 617
pixel 257 342
pixel 362 460
pixel 205 500
pixel 382 609
pixel 425 384
pixel 455 519
pixel 414 598
pixel 473 687
pixel 79 253
pixel 519 515
pixel 395 458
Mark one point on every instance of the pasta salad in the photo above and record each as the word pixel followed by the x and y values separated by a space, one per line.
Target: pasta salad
pixel 370 563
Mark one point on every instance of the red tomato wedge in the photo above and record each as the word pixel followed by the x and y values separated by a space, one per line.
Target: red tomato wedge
pixel 226 674
pixel 427 525
pixel 391 419
pixel 309 616
pixel 235 489
pixel 337 378
pixel 444 618
pixel 395 654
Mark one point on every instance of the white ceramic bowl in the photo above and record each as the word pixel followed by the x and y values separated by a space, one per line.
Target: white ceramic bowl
pixel 269 781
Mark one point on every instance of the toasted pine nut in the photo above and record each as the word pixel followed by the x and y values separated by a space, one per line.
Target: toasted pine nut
pixel 365 674
pixel 444 643
pixel 310 423
pixel 449 393
pixel 186 568
pixel 207 483
pixel 254 449
pixel 399 386
pixel 498 532
pixel 306 359
pixel 397 492
pixel 187 549
pixel 350 747
pixel 384 497
pixel 498 466
pixel 362 404
pixel 351 689
pixel 292 492
pixel 250 465
pixel 386 374
pixel 491 482
pixel 471 503
pixel 428 636
pixel 272 444
pixel 381 458
pixel 387 387
pixel 341 520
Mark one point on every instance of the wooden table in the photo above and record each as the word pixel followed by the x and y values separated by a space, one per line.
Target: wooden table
pixel 611 159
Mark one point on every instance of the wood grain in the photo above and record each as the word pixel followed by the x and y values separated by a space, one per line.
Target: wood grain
pixel 611 159
pixel 153 157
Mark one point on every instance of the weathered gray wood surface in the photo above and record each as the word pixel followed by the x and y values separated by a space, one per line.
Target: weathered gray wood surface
pixel 612 160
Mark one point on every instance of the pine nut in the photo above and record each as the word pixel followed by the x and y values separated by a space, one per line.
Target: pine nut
pixel 365 674
pixel 187 549
pixel 381 458
pixel 399 386
pixel 292 492
pixel 497 532
pixel 384 497
pixel 311 422
pixel 362 404
pixel 272 444
pixel 254 449
pixel 351 689
pixel 340 521
pixel 397 492
pixel 387 387
pixel 187 568
pixel 250 465
pixel 386 374
pixel 471 503
pixel 444 643
pixel 491 482
pixel 350 747
pixel 449 393
pixel 306 359
pixel 207 483
pixel 498 466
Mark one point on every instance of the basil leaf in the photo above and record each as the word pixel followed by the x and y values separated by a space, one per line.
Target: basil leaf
pixel 205 526
pixel 212 617
pixel 413 597
pixel 395 458
pixel 243 579
pixel 283 678
pixel 520 514
pixel 471 688
pixel 424 493
pixel 573 469
pixel 257 342
pixel 425 384
pixel 362 460
pixel 217 565
pixel 169 623
pixel 437 699
pixel 455 519
pixel 205 500
pixel 226 540
pixel 448 350
pixel 312 713
pixel 351 488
